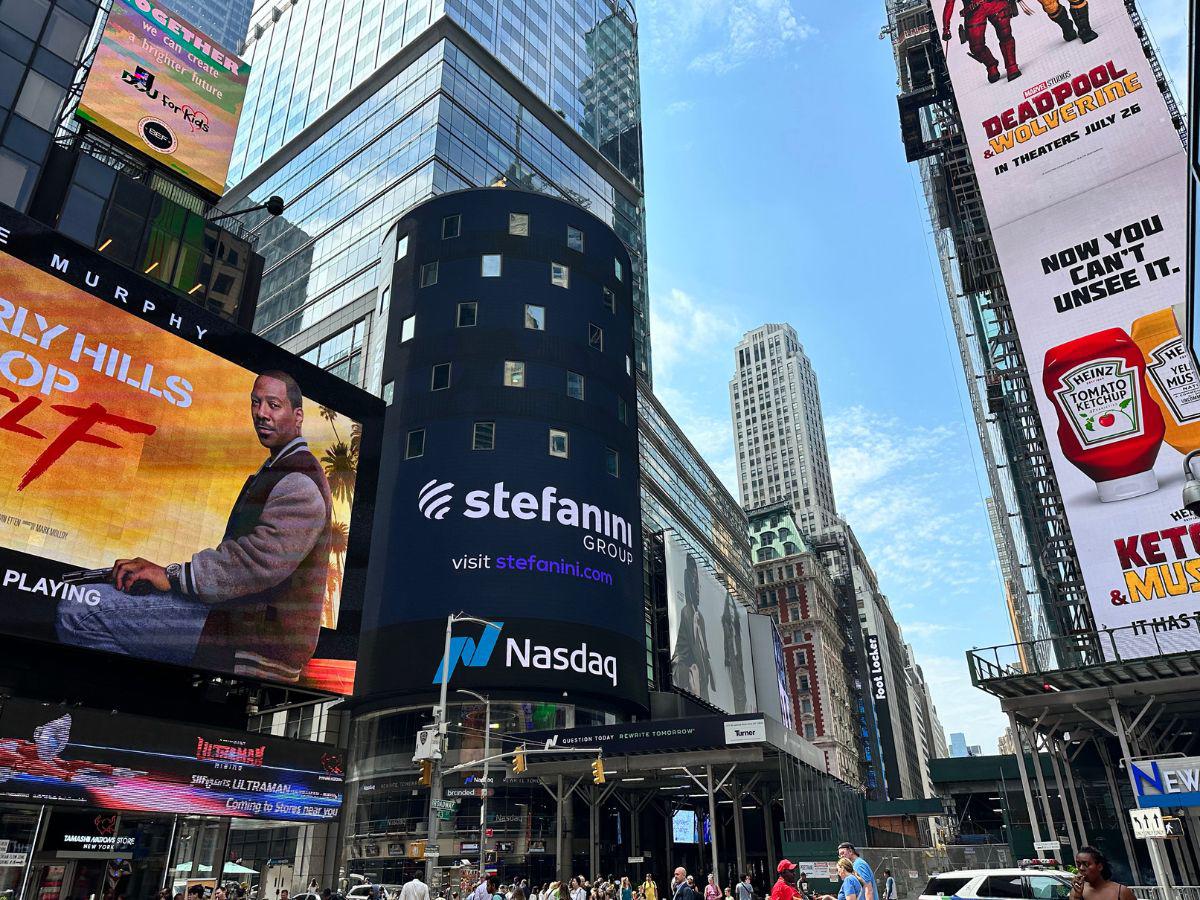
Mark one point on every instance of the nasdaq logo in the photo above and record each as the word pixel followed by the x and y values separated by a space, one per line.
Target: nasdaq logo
pixel 433 500
pixel 470 652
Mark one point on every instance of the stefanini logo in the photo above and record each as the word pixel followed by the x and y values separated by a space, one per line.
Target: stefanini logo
pixel 435 500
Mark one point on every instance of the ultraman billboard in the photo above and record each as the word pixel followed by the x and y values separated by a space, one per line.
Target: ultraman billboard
pixel 1083 176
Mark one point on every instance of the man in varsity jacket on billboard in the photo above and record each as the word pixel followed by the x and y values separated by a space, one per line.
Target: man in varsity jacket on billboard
pixel 250 606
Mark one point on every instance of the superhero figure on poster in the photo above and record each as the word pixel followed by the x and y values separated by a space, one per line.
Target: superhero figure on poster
pixel 1000 13
pixel 251 605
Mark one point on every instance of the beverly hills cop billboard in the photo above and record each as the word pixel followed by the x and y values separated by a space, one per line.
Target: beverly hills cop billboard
pixel 1083 177
pixel 175 489
pixel 165 88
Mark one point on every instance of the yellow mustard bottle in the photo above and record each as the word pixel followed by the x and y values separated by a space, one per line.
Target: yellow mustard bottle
pixel 1170 375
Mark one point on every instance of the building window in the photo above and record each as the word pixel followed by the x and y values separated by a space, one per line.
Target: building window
pixel 610 300
pixel 490 266
pixel 535 317
pixel 440 378
pixel 804 683
pixel 518 224
pixel 574 239
pixel 574 385
pixel 389 390
pixel 802 657
pixel 402 248
pixel 559 443
pixel 618 269
pixel 809 731
pixel 483 436
pixel 628 366
pixel 468 314
pixel 595 337
pixel 415 445
pixel 408 328
pixel 429 274
pixel 560 275
pixel 806 706
pixel 612 462
pixel 622 411
pixel 451 227
pixel 514 374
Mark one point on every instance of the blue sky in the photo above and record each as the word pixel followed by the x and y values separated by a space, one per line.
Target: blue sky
pixel 776 190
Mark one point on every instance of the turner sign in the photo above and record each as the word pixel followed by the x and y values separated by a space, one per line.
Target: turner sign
pixel 1174 781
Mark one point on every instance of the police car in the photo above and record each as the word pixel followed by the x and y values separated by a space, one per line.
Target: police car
pixel 1035 880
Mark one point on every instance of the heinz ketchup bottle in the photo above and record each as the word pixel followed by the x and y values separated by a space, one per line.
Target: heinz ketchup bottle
pixel 1108 424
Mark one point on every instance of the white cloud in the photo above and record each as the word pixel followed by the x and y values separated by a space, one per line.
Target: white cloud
pixel 901 487
pixel 717 36
pixel 679 106
pixel 960 705
pixel 926 629
pixel 687 338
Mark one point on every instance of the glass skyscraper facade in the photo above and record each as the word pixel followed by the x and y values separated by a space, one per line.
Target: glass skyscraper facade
pixel 225 21
pixel 357 111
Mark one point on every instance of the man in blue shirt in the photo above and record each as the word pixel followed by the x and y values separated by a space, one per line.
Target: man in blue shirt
pixel 862 869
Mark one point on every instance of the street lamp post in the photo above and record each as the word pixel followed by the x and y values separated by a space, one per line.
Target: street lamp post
pixel 439 721
pixel 487 752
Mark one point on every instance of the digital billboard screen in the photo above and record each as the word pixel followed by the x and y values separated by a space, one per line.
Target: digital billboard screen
pixel 1083 176
pixel 174 489
pixel 683 827
pixel 164 87
pixel 770 672
pixel 69 755
pixel 709 633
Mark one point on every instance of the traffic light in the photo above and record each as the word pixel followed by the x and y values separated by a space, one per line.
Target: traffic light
pixel 426 772
pixel 519 761
pixel 598 771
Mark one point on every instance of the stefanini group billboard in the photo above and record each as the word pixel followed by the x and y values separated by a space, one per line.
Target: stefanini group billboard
pixel 83 757
pixel 709 633
pixel 1083 177
pixel 167 89
pixel 174 489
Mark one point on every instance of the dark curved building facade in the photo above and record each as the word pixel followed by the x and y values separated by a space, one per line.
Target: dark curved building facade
pixel 510 484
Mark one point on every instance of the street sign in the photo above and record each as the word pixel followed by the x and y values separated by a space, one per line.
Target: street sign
pixel 442 804
pixel 637 859
pixel 1047 845
pixel 1173 826
pixel 444 815
pixel 1147 823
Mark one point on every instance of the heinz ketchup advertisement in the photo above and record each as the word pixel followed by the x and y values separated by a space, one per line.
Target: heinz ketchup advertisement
pixel 1084 178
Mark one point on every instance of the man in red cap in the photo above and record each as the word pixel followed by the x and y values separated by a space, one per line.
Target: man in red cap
pixel 785 887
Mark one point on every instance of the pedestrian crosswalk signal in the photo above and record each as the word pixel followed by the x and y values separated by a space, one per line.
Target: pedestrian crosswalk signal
pixel 519 761
pixel 598 771
pixel 426 772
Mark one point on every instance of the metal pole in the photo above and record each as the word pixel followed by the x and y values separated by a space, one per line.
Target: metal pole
pixel 435 788
pixel 1106 759
pixel 1067 760
pixel 1033 821
pixel 1161 866
pixel 1063 801
pixel 712 823
pixel 769 826
pixel 166 879
pixel 37 836
pixel 739 838
pixel 558 833
pixel 483 799
pixel 1041 780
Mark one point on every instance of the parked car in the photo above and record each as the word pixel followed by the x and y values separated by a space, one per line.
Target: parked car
pixel 1000 884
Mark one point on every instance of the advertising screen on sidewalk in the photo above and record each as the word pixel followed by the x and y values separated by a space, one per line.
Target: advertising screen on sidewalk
pixel 174 489
pixel 1083 177
pixel 167 89
pixel 69 755
pixel 710 635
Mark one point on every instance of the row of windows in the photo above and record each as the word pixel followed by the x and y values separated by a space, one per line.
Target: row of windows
pixel 514 377
pixel 518 224
pixel 491 265
pixel 467 316
pixel 483 437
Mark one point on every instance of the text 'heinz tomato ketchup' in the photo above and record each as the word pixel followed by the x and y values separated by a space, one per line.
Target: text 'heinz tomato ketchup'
pixel 1108 424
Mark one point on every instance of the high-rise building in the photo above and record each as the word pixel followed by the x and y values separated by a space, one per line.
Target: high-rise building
pixel 355 113
pixel 779 432
pixel 225 21
pixel 960 748
pixel 796 590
